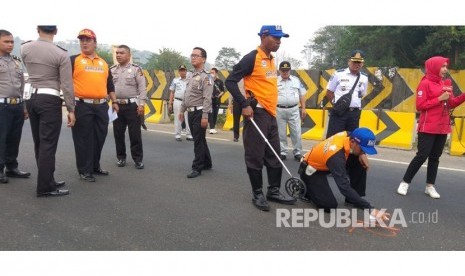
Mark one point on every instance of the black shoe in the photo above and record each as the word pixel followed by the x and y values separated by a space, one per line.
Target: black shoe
pixel 3 177
pixel 283 157
pixel 99 171
pixel 59 184
pixel 236 140
pixel 190 139
pixel 275 195
pixel 298 157
pixel 54 193
pixel 194 174
pixel 17 173
pixel 260 202
pixel 121 163
pixel 87 177
pixel 178 139
pixel 139 165
pixel 305 199
pixel 207 168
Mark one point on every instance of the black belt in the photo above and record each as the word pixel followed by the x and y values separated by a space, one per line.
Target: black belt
pixel 286 106
pixel 178 99
pixel 354 108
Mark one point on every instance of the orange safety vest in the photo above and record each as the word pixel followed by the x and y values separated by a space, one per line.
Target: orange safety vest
pixel 319 154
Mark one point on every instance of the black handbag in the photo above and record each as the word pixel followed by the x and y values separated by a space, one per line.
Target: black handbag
pixel 343 103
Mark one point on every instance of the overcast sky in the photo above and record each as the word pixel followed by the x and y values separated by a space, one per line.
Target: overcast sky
pixel 182 25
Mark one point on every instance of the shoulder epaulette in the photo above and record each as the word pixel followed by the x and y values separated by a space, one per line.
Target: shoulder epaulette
pixel 15 57
pixel 135 65
pixel 363 73
pixel 113 66
pixel 26 42
pixel 62 48
pixel 340 70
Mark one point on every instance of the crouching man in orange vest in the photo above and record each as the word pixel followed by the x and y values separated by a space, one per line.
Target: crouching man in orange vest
pixel 331 155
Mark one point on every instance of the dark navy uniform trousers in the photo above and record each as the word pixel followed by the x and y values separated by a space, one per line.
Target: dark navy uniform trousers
pixel 45 115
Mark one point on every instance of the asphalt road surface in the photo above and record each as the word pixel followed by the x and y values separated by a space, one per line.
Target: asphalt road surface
pixel 158 208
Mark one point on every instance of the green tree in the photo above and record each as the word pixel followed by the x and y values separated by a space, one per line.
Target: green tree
pixel 151 62
pixel 166 60
pixel 227 58
pixel 386 46
pixel 106 55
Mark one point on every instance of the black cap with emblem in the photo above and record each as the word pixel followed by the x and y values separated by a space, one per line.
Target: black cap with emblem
pixel 357 56
pixel 285 65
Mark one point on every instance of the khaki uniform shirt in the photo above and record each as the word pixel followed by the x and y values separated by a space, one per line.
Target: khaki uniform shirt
pixel 198 92
pixel 11 77
pixel 129 81
pixel 49 66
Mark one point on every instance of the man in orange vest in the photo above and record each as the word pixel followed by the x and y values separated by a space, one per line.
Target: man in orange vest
pixel 331 155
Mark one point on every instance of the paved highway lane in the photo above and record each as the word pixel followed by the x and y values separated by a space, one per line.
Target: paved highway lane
pixel 158 208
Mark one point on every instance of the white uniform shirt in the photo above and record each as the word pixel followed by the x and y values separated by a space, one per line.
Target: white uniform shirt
pixel 342 81
pixel 290 91
pixel 179 85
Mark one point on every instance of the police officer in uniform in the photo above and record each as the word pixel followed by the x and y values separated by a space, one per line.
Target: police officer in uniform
pixel 49 69
pixel 197 101
pixel 12 114
pixel 291 93
pixel 341 83
pixel 130 89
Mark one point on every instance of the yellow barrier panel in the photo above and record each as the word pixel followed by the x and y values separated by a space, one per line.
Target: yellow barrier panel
pixel 154 111
pixel 457 140
pixel 392 129
pixel 314 124
pixel 228 124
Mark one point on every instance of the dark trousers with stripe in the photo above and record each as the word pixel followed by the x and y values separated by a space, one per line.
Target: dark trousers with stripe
pixel 348 122
pixel 202 157
pixel 89 134
pixel 45 115
pixel 128 118
pixel 11 127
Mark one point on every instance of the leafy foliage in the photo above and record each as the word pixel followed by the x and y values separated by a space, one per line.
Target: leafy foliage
pixel 227 58
pixel 166 60
pixel 387 46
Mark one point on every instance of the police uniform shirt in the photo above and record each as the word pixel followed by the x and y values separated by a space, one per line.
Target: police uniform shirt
pixel 198 92
pixel 49 66
pixel 342 81
pixel 178 85
pixel 129 82
pixel 11 77
pixel 290 91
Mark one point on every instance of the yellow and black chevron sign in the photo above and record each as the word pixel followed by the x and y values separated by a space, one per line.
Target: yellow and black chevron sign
pixel 392 129
pixel 315 123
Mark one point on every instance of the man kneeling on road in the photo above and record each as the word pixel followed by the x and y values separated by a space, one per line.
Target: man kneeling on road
pixel 331 156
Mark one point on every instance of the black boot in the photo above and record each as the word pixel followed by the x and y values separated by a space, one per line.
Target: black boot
pixel 256 180
pixel 3 177
pixel 274 181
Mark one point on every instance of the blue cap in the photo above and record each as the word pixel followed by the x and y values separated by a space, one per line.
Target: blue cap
pixel 365 138
pixel 273 30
